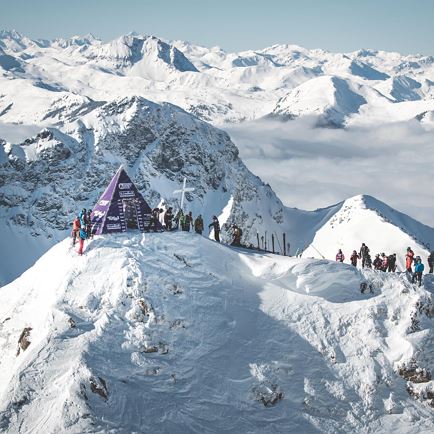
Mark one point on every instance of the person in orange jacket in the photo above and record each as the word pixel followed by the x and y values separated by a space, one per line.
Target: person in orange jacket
pixel 409 259
pixel 75 230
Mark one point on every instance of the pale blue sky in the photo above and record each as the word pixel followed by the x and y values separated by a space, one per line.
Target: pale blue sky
pixel 336 25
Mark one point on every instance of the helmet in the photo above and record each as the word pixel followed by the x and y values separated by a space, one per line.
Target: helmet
pixel 408 248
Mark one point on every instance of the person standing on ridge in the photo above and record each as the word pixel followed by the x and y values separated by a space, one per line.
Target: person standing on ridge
pixel 89 224
pixel 75 230
pixel 384 262
pixel 431 261
pixel 236 236
pixel 216 226
pixel 418 271
pixel 155 219
pixel 364 252
pixel 81 237
pixel 340 257
pixel 391 267
pixel 353 258
pixel 188 221
pixel 168 217
pixel 198 225
pixel 377 262
pixel 409 259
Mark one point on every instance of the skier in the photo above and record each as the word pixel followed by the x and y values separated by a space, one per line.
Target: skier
pixel 377 262
pixel 155 218
pixel 75 230
pixel 198 225
pixel 188 222
pixel 236 236
pixel 353 258
pixel 431 261
pixel 340 257
pixel 216 226
pixel 384 262
pixel 391 263
pixel 409 259
pixel 81 237
pixel 168 217
pixel 364 252
pixel 418 271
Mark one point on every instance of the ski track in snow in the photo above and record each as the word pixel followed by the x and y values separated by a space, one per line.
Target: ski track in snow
pixel 227 327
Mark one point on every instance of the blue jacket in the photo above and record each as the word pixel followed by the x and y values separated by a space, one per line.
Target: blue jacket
pixel 83 234
pixel 419 268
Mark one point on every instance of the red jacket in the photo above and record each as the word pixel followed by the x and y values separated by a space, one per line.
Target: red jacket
pixel 409 258
pixel 76 224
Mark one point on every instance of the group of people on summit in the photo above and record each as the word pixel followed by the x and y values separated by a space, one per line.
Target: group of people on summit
pixel 387 263
pixel 82 225
pixel 186 222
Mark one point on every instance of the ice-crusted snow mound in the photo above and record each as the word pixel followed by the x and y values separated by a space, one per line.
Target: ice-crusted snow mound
pixel 175 333
pixel 364 219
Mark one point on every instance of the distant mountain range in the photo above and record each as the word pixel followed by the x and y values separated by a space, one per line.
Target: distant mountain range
pixel 284 81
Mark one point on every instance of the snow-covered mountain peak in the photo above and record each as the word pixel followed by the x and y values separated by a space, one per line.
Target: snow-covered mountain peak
pixel 329 98
pixel 365 219
pixel 146 56
pixel 114 342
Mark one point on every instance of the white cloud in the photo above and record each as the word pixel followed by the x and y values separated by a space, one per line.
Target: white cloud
pixel 311 167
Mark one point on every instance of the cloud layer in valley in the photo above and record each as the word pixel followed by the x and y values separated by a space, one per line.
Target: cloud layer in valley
pixel 313 167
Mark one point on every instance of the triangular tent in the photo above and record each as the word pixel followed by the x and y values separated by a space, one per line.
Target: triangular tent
pixel 121 207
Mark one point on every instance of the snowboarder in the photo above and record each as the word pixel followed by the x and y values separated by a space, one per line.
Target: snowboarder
pixel 377 262
pixel 409 259
pixel 236 236
pixel 75 230
pixel 418 271
pixel 364 252
pixel 391 263
pixel 384 262
pixel 198 225
pixel 353 258
pixel 188 223
pixel 340 257
pixel 431 261
pixel 81 237
pixel 155 218
pixel 168 217
pixel 216 226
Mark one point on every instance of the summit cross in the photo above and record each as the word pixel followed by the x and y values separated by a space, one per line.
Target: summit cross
pixel 183 190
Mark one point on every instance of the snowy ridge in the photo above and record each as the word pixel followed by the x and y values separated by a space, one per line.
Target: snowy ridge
pixel 166 328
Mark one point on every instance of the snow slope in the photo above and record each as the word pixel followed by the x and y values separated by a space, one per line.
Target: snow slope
pixel 175 333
